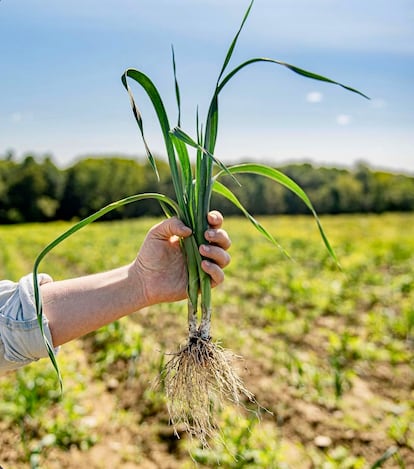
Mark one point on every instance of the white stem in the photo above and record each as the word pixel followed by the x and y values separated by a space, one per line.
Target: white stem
pixel 204 330
pixel 192 320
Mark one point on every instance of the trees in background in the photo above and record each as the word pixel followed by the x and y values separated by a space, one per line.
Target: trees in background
pixel 29 190
pixel 35 189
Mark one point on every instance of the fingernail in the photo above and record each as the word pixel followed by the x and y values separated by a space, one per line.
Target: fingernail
pixel 185 228
pixel 205 248
pixel 211 233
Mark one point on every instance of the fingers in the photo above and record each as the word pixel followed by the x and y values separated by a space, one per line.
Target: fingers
pixel 215 235
pixel 218 237
pixel 169 228
pixel 214 251
pixel 218 258
pixel 216 254
pixel 215 272
pixel 215 219
pixel 175 227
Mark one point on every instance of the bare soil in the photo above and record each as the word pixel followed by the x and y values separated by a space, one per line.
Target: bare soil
pixel 146 440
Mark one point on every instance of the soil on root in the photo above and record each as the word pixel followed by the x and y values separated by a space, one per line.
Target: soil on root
pixel 198 379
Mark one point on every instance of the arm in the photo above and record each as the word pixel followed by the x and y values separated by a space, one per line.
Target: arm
pixel 77 306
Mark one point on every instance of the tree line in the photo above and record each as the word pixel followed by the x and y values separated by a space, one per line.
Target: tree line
pixel 35 189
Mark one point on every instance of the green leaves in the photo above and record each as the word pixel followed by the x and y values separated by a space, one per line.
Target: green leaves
pixel 181 135
pixel 154 95
pixel 193 186
pixel 315 76
pixel 299 71
pixel 177 88
pixel 279 177
pixel 163 199
pixel 159 108
pixel 233 43
pixel 228 194
pixel 211 137
pixel 194 191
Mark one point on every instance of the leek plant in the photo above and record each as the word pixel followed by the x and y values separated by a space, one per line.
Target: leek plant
pixel 200 373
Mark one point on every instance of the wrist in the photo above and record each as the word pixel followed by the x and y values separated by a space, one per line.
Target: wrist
pixel 136 288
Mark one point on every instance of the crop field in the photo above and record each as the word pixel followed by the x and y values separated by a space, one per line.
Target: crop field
pixel 329 354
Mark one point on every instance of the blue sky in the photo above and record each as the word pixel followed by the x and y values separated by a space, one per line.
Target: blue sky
pixel 61 64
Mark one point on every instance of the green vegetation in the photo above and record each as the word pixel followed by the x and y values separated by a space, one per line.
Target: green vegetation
pixel 83 188
pixel 200 375
pixel 25 407
pixel 330 354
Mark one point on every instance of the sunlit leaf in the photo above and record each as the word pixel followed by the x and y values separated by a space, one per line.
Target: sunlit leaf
pixel 279 177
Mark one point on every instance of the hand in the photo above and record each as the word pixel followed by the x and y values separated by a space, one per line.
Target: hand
pixel 75 307
pixel 160 263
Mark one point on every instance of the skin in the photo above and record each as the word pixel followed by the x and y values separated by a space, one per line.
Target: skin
pixel 75 307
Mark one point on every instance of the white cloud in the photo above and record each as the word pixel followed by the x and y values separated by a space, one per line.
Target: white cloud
pixel 343 119
pixel 16 117
pixel 314 97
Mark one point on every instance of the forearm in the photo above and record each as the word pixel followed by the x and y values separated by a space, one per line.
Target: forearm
pixel 78 306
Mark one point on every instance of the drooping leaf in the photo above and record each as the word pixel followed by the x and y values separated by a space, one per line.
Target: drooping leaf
pixel 163 199
pixel 138 118
pixel 295 69
pixel 221 189
pixel 159 108
pixel 184 137
pixel 286 181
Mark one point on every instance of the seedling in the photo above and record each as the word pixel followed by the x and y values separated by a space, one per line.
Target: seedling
pixel 199 373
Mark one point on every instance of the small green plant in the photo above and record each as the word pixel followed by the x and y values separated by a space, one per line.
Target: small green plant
pixel 113 343
pixel 401 429
pixel 200 373
pixel 340 358
pixel 392 452
pixel 30 399
pixel 241 445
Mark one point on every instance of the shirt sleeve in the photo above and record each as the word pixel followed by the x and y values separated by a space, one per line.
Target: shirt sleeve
pixel 21 340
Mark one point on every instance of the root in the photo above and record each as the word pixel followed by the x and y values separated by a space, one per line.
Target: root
pixel 198 378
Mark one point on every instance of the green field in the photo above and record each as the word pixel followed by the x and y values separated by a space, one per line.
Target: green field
pixel 329 354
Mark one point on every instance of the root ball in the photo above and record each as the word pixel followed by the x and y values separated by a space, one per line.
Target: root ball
pixel 199 378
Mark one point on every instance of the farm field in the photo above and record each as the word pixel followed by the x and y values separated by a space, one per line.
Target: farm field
pixel 329 354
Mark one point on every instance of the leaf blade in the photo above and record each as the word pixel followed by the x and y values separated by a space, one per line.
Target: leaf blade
pixel 145 82
pixel 293 68
pixel 163 199
pixel 224 191
pixel 234 41
pixel 184 137
pixel 286 181
pixel 177 88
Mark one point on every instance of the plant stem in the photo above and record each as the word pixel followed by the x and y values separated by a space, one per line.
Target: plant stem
pixel 192 320
pixel 193 259
pixel 205 324
pixel 203 209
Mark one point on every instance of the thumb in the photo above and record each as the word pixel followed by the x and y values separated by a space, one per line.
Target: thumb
pixel 171 227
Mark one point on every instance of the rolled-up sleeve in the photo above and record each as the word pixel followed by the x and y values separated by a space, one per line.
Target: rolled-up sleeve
pixel 21 340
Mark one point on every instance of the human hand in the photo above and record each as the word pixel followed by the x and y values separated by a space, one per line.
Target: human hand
pixel 160 263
